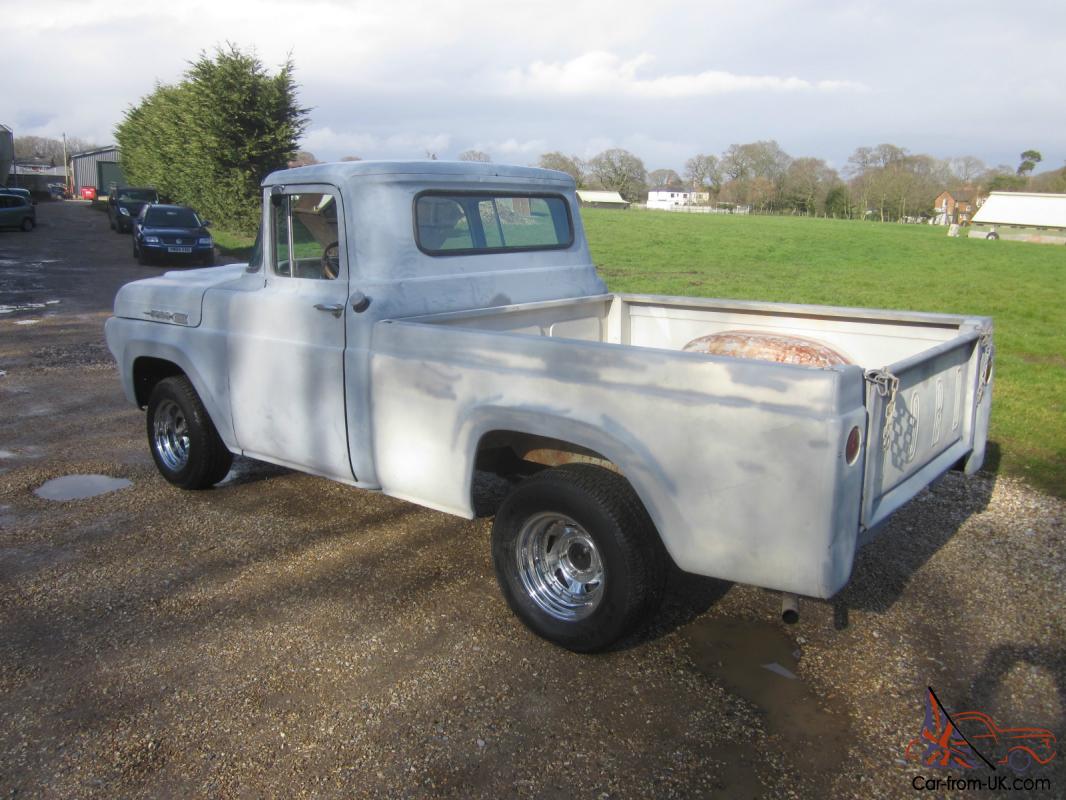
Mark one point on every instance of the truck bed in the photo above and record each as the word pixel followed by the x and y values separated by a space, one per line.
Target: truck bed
pixel 739 462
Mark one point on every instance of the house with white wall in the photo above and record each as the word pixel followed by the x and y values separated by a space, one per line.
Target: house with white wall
pixel 667 199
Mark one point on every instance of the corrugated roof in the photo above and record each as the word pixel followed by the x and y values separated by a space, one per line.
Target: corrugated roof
pixel 1023 208
pixel 587 196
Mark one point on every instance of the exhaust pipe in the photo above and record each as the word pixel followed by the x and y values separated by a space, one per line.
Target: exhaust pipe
pixel 790 612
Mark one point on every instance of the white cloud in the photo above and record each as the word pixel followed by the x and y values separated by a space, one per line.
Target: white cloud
pixel 600 72
pixel 514 147
pixel 328 144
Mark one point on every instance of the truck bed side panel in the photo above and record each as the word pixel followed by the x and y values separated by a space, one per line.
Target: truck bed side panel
pixel 713 447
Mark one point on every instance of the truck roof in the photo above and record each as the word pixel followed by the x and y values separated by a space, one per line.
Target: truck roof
pixel 332 172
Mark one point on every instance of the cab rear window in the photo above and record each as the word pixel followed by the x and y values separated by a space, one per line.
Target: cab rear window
pixel 462 223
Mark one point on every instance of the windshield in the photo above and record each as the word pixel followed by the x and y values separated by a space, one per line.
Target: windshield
pixel 172 218
pixel 137 195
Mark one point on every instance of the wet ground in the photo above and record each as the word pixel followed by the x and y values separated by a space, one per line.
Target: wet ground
pixel 282 635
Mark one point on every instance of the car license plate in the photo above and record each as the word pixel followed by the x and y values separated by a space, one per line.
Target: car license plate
pixel 179 249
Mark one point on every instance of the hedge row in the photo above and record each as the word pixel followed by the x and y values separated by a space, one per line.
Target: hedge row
pixel 209 141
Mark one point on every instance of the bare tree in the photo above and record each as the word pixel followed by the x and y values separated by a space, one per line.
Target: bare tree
pixel 763 160
pixel 807 184
pixel 967 168
pixel 663 179
pixel 41 148
pixel 571 165
pixel 703 172
pixel 474 155
pixel 621 171
pixel 303 159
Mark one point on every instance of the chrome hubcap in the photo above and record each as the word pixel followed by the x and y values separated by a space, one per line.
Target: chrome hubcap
pixel 560 566
pixel 171 435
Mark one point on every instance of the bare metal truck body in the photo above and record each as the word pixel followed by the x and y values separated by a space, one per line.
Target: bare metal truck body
pixel 436 318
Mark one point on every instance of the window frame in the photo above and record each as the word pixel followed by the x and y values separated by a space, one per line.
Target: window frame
pixel 492 195
pixel 269 256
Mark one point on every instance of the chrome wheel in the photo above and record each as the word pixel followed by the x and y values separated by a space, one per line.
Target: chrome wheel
pixel 560 566
pixel 171 435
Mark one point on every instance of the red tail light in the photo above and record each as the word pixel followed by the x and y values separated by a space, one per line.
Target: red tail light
pixel 851 449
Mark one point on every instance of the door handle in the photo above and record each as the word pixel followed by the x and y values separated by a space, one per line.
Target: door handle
pixel 336 309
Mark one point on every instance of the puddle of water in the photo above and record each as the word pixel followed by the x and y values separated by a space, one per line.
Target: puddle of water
pixel 759 662
pixel 27 321
pixel 79 487
pixel 6 454
pixel 6 309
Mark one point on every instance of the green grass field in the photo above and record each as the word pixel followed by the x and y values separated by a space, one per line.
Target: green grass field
pixel 839 262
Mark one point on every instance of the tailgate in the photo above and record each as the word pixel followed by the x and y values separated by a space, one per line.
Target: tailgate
pixel 921 419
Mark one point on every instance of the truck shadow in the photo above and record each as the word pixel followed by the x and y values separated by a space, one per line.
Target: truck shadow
pixel 884 566
pixel 685 598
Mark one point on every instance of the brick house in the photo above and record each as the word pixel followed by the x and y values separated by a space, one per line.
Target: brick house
pixel 957 207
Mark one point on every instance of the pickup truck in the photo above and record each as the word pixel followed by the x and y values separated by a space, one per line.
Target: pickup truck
pixel 401 327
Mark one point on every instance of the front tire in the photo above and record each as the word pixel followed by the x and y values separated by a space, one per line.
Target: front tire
pixel 577 556
pixel 185 446
pixel 28 225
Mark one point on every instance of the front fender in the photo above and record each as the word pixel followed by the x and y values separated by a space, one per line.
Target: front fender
pixel 130 339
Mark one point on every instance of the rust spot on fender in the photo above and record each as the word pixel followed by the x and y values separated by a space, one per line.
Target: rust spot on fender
pixel 768 347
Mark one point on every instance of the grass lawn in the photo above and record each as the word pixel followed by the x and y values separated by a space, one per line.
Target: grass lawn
pixel 839 262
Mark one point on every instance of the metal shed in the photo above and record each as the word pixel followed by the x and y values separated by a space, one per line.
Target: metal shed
pixel 1022 216
pixel 99 168
pixel 601 199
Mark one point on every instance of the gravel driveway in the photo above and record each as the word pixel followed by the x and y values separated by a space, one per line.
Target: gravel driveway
pixel 282 635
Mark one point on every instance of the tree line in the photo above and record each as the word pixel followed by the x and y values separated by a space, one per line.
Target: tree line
pixel 884 182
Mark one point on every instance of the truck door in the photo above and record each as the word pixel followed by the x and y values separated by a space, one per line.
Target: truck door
pixel 287 338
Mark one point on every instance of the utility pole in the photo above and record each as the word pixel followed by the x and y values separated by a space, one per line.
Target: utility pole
pixel 66 171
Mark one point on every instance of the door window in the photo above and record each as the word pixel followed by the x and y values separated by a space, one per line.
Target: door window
pixel 306 236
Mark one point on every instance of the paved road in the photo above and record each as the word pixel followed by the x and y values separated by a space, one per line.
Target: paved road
pixel 282 635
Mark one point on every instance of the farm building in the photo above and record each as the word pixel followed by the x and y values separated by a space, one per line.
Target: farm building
pixel 667 199
pixel 956 207
pixel 1022 216
pixel 601 199
pixel 36 177
pixel 97 168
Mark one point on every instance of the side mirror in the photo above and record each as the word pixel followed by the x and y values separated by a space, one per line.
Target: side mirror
pixel 206 223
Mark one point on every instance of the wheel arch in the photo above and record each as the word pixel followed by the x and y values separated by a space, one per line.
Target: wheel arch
pixel 147 363
pixel 554 441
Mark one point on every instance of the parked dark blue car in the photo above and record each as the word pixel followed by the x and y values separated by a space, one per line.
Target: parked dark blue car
pixel 173 233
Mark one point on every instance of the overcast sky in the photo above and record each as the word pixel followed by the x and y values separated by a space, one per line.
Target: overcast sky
pixel 666 80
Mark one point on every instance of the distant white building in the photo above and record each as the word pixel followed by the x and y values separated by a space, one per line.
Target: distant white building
pixel 1021 216
pixel 668 199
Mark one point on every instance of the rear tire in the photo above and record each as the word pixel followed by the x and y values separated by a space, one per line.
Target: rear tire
pixel 185 446
pixel 577 556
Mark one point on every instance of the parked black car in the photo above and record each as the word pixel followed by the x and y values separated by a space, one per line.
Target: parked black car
pixel 173 232
pixel 123 206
